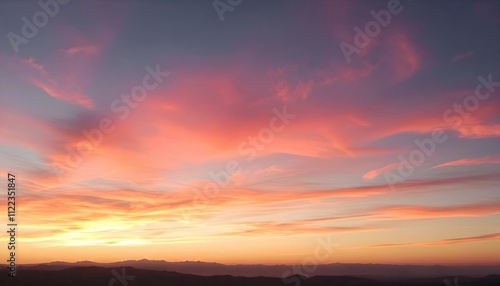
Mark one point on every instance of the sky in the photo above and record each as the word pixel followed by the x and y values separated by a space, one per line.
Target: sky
pixel 252 131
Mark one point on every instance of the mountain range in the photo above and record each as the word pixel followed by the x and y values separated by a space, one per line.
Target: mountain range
pixel 378 271
pixel 128 276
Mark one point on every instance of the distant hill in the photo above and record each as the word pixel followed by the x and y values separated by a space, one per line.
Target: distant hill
pixel 378 271
pixel 85 276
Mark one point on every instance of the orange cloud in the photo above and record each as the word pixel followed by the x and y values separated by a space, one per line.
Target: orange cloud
pixel 267 228
pixel 491 236
pixel 418 212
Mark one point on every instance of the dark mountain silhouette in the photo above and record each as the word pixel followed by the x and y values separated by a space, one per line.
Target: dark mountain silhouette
pixel 378 271
pixel 84 276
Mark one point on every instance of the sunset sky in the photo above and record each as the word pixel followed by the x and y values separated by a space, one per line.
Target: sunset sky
pixel 250 135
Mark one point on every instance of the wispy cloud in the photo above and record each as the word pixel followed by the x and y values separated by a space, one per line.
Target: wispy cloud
pixel 448 241
pixel 471 161
pixel 375 173
pixel 423 212
pixel 459 57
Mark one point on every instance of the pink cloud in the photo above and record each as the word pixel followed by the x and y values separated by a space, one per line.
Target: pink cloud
pixel 57 82
pixel 87 49
pixel 405 58
pixel 471 161
pixel 62 93
pixel 479 130
pixel 375 173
